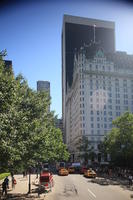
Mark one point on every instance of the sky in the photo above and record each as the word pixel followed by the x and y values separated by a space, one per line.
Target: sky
pixel 31 33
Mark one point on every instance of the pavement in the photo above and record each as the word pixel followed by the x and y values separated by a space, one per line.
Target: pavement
pixel 20 191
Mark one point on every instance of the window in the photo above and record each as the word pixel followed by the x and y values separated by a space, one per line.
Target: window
pixel 110 125
pixel 98 125
pixel 92 125
pixel 92 118
pixel 98 132
pixel 91 93
pixel 117 114
pixel 110 113
pixel 117 107
pixel 98 119
pixel 104 112
pixel 110 119
pixel 97 112
pixel 110 95
pixel 110 107
pixel 118 95
pixel 91 112
pixel 105 125
pixel 126 107
pixel 117 89
pixel 125 102
pixel 105 119
pixel 125 96
pixel 117 101
pixel 109 88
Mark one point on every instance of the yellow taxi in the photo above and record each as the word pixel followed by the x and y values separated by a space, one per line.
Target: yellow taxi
pixel 90 173
pixel 63 172
pixel 71 169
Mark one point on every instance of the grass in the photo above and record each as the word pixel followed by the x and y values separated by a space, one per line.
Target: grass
pixel 3 175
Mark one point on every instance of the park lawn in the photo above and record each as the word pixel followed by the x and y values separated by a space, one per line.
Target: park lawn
pixel 3 175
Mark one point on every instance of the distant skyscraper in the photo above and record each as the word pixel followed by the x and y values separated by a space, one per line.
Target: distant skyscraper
pixel 8 65
pixel 59 124
pixel 44 86
pixel 76 32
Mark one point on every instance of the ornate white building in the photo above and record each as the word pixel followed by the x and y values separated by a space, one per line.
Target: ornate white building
pixel 102 90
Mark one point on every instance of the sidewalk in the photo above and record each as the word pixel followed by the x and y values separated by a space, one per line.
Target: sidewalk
pixel 20 192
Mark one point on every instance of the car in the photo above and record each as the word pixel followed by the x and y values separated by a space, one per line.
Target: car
pixel 83 169
pixel 71 169
pixel 46 180
pixel 63 172
pixel 90 173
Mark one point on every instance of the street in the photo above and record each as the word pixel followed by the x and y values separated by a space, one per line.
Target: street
pixel 71 187
pixel 76 187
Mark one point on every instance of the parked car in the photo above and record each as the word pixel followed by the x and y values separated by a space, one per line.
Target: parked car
pixel 63 172
pixel 83 169
pixel 90 173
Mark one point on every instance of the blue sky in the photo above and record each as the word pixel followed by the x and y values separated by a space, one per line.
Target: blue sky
pixel 31 33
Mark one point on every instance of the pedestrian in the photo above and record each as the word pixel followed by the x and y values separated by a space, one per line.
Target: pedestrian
pixel 4 188
pixel 23 174
pixel 130 179
pixel 6 180
pixel 14 182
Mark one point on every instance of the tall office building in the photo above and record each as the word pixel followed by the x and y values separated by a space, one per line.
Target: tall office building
pixel 97 81
pixel 44 86
pixel 8 65
pixel 102 90
pixel 77 32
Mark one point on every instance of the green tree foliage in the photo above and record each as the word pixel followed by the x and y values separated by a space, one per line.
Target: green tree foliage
pixel 27 130
pixel 119 142
pixel 86 151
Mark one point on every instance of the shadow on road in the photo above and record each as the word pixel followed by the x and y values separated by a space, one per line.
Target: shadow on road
pixel 34 195
pixel 113 181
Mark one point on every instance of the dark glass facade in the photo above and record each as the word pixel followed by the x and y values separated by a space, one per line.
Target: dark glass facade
pixel 76 35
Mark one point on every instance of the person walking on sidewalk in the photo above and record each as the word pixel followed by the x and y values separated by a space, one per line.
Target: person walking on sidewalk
pixel 6 180
pixel 130 179
pixel 14 182
pixel 4 188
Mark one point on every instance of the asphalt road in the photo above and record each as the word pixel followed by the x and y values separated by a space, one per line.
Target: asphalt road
pixel 77 187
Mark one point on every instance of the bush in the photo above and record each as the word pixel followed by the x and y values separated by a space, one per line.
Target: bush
pixel 3 175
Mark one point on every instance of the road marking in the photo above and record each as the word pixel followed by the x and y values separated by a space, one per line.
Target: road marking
pixel 92 193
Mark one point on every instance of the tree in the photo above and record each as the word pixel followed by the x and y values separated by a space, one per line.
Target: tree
pixel 27 133
pixel 119 142
pixel 86 151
